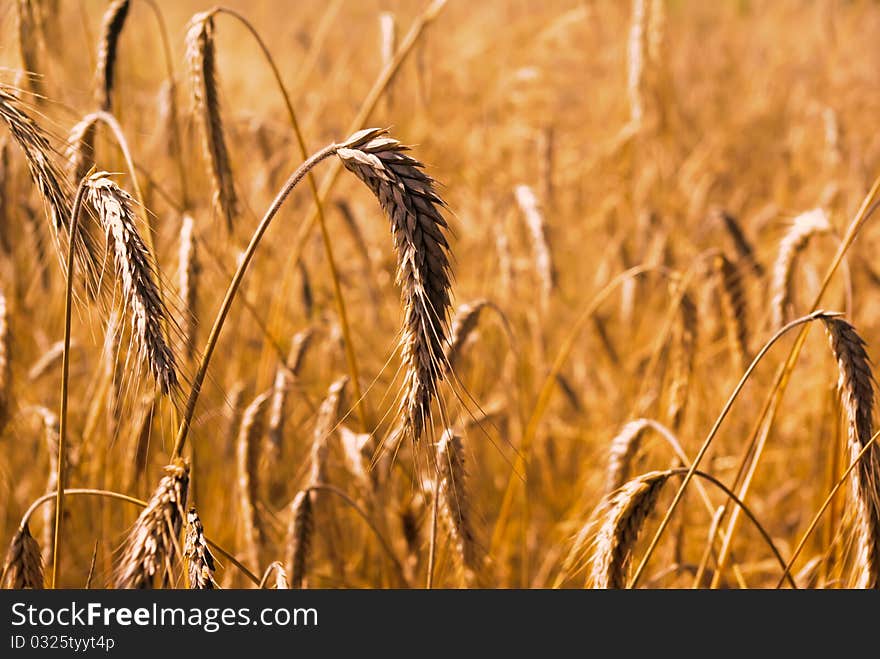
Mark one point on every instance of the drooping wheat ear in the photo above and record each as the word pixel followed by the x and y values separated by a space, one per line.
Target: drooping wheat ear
pixel 464 322
pixel 284 377
pixel 625 511
pixel 685 337
pixel 636 62
pixel 111 29
pixel 200 561
pixel 51 432
pixel 38 152
pixel 623 449
pixel 358 450
pixel 135 269
pixel 24 565
pixel 805 226
pixel 247 465
pixel 26 22
pixel 733 306
pixel 5 368
pixel 328 414
pixel 80 151
pixel 741 244
pixel 149 550
pixel 387 47
pixel 188 271
pixel 528 204
pixel 408 197
pixel 856 385
pixel 206 104
pixel 299 540
pixel 455 503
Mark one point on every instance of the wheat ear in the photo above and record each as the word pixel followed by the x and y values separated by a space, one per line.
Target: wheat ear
pixel 152 543
pixel 856 385
pixel 206 102
pixel 299 542
pixel 733 305
pixel 805 226
pixel 111 29
pixel 537 226
pixel 200 561
pixel 685 335
pixel 24 565
pixel 743 247
pixel 189 269
pixel 247 461
pixel 625 512
pixel 455 503
pixel 135 270
pixel 408 197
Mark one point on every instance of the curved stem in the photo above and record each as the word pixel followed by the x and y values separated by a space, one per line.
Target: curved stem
pixel 137 502
pixel 385 546
pixel 199 378
pixel 825 504
pixel 65 379
pixel 350 356
pixel 711 436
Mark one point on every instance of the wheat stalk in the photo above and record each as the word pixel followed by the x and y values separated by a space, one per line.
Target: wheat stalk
pixel 150 546
pixel 200 561
pixel 805 226
pixel 408 197
pixel 856 386
pixel 134 268
pixel 111 29
pixel 206 103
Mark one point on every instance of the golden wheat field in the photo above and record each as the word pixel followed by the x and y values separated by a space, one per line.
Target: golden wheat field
pixel 439 294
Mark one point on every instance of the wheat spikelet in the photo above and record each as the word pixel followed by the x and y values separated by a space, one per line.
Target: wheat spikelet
pixel 455 502
pixel 200 561
pixel 247 463
pixel 636 62
pixel 623 449
pixel 464 322
pixel 733 305
pixel 111 29
pixel 685 337
pixel 625 511
pixel 206 102
pixel 5 368
pixel 299 541
pixel 188 271
pixel 80 151
pixel 149 548
pixel 741 244
pixel 804 227
pixel 284 376
pixel 33 142
pixel 408 197
pixel 328 414
pixel 134 268
pixel 24 566
pixel 856 386
pixel 537 227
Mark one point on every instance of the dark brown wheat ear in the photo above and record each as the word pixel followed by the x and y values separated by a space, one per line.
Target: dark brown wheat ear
pixel 111 29
pixel 206 104
pixel 856 386
pixel 299 538
pixel 152 544
pixel 409 199
pixel 24 565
